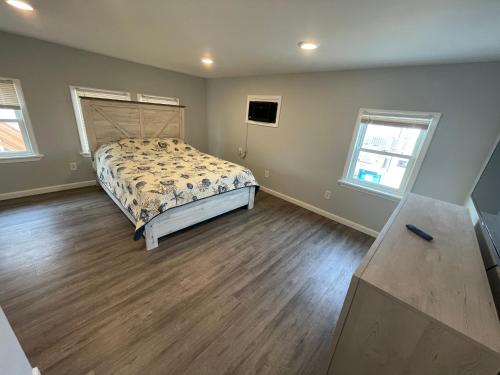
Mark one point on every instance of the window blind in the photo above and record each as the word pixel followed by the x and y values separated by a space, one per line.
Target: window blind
pixel 409 122
pixel 8 95
pixel 102 94
pixel 157 99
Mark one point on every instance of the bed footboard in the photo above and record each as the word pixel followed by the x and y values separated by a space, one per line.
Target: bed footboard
pixel 181 217
pixel 184 216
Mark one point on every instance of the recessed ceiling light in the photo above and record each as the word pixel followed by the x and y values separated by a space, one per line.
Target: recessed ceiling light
pixel 207 61
pixel 308 45
pixel 20 4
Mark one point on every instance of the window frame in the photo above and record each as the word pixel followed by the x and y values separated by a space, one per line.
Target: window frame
pixel 414 161
pixel 77 109
pixel 141 97
pixel 32 152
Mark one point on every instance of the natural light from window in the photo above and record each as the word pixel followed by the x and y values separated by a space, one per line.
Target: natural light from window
pixel 11 138
pixel 387 150
pixel 16 136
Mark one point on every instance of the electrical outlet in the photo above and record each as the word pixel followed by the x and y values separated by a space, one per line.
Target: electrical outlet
pixel 266 173
pixel 73 166
pixel 328 194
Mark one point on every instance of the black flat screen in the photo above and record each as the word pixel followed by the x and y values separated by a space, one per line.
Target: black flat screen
pixel 486 197
pixel 263 112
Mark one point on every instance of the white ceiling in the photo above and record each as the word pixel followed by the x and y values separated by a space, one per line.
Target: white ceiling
pixel 247 37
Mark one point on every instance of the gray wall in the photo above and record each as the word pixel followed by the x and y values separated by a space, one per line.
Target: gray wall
pixel 307 153
pixel 46 71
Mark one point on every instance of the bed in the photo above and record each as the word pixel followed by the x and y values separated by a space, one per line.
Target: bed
pixel 161 183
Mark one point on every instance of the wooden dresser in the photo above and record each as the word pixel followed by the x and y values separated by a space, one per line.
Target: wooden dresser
pixel 416 307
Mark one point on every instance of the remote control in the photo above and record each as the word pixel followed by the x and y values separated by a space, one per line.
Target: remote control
pixel 419 232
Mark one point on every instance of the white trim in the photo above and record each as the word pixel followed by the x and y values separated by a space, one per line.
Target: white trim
pixel 20 158
pixel 264 98
pixel 46 189
pixel 366 189
pixel 36 371
pixel 319 211
pixel 385 153
pixel 84 146
pixel 26 118
pixel 354 140
pixel 416 159
pixel 423 150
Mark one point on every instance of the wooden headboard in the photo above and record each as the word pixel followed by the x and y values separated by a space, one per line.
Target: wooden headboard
pixel 109 120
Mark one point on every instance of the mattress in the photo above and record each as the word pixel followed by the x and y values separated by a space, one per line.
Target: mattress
pixel 149 176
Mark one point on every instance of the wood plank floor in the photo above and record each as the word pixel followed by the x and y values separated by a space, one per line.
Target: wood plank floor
pixel 250 292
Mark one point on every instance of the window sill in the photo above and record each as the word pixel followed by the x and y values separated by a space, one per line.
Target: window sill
pixel 20 158
pixel 378 193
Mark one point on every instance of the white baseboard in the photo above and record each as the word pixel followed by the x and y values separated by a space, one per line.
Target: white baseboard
pixel 46 189
pixel 307 206
pixel 319 211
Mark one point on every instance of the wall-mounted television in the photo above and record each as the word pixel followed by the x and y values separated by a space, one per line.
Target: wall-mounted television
pixel 486 198
pixel 263 110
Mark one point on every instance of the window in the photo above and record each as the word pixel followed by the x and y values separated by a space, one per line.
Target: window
pixel 387 150
pixel 17 141
pixel 157 99
pixel 76 93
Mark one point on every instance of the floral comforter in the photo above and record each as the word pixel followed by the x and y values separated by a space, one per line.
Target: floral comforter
pixel 151 175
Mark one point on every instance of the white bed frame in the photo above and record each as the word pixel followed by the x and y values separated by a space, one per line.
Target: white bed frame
pixel 111 120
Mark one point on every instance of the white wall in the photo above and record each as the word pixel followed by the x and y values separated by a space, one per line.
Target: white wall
pixel 307 153
pixel 13 361
pixel 46 71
